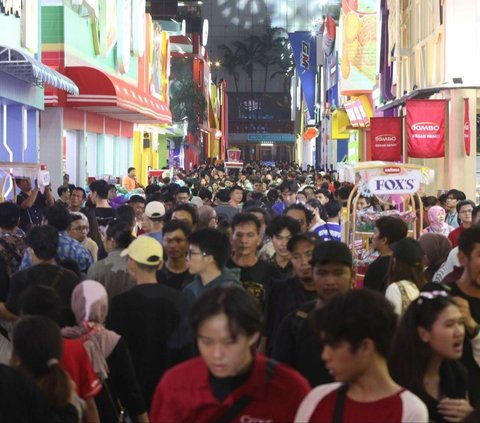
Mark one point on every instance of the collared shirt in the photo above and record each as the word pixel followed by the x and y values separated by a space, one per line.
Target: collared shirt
pixel 68 248
pixel 452 219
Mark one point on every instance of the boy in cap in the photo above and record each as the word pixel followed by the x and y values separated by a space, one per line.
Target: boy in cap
pixel 155 212
pixel 296 343
pixel 149 315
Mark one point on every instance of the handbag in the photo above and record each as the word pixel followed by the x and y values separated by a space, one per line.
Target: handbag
pixel 120 412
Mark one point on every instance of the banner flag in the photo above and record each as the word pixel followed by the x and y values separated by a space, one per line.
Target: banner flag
pixel 426 128
pixel 304 47
pixel 386 138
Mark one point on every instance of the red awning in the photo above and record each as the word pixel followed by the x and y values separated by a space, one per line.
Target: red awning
pixel 113 97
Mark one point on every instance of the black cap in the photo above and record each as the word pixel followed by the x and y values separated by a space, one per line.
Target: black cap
pixel 331 251
pixel 409 251
pixel 311 237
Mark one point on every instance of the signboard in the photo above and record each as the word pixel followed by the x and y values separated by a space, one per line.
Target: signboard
pixel 426 128
pixel 386 138
pixel 275 138
pixel 358 62
pixel 393 180
pixel 466 127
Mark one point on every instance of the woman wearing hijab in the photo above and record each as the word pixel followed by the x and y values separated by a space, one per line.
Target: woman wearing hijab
pixel 109 354
pixel 436 248
pixel 436 217
pixel 207 217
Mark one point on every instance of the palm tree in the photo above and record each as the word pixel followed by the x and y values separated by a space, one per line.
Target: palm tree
pixel 286 67
pixel 187 101
pixel 231 62
pixel 269 48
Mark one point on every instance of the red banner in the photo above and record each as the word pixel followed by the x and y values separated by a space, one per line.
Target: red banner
pixel 466 128
pixel 386 138
pixel 426 128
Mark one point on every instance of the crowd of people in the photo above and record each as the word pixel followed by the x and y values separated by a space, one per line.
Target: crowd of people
pixel 212 297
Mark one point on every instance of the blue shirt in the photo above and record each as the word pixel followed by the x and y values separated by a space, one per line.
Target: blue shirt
pixel 330 232
pixel 68 248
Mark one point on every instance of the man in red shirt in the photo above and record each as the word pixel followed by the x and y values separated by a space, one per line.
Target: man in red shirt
pixel 357 329
pixel 229 381
pixel 464 210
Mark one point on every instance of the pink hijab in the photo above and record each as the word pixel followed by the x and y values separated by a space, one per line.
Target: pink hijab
pixel 433 213
pixel 90 307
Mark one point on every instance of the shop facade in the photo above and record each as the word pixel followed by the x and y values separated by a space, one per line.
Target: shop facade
pixel 22 78
pixel 122 81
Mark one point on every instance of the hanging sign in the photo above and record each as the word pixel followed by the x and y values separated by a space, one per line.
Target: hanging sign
pixel 386 138
pixel 426 128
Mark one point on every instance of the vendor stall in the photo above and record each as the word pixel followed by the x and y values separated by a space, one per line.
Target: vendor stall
pixel 396 188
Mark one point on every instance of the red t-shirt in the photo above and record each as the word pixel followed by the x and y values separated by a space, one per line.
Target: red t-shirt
pixel 403 406
pixel 184 395
pixel 454 235
pixel 76 363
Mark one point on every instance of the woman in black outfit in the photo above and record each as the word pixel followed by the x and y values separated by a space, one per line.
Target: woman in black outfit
pixel 109 355
pixel 425 353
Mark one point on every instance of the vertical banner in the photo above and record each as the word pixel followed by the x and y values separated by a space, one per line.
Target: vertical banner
pixel 426 128
pixel 386 138
pixel 358 58
pixel 304 47
pixel 466 127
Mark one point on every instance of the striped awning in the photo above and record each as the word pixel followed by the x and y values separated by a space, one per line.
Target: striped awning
pixel 28 69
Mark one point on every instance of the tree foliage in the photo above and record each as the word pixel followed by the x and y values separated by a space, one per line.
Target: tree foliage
pixel 188 102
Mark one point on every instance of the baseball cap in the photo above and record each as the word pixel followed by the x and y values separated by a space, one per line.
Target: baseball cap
pixel 408 250
pixel 144 250
pixel 155 209
pixel 331 251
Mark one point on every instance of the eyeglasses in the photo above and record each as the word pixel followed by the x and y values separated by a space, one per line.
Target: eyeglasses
pixel 191 253
pixel 81 229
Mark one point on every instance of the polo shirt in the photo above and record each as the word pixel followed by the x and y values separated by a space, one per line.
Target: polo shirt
pixel 403 406
pixel 185 395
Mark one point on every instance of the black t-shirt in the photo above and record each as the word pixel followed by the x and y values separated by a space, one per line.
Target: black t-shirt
pixel 467 358
pixel 174 280
pixel 376 275
pixel 453 384
pixel 32 215
pixel 104 215
pixel 63 281
pixel 284 297
pixel 152 320
pixel 257 279
pixel 297 345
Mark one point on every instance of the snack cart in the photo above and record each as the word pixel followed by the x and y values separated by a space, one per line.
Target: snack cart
pixel 396 187
pixel 233 161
